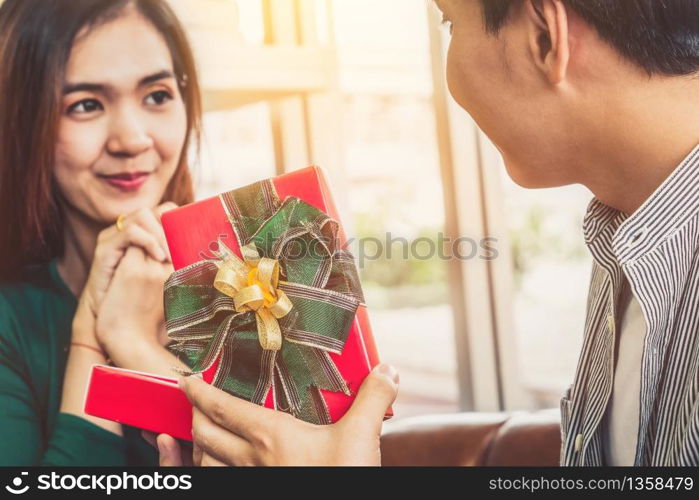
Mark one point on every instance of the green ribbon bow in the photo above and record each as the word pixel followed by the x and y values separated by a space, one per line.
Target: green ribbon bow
pixel 318 278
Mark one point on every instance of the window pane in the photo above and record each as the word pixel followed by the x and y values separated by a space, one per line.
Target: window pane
pixel 395 194
pixel 251 21
pixel 551 274
pixel 237 149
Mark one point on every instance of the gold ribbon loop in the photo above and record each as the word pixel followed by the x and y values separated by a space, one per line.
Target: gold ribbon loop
pixel 252 297
pixel 252 284
pixel 268 330
pixel 282 306
pixel 250 254
pixel 268 273
pixel 230 277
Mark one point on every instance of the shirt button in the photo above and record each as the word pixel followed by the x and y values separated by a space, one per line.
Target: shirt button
pixel 578 442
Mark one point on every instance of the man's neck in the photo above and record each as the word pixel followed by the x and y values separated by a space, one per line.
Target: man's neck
pixel 644 135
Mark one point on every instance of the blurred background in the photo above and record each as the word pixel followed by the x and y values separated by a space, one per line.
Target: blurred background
pixel 357 87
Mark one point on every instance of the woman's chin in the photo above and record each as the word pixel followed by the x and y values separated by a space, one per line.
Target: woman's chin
pixel 110 212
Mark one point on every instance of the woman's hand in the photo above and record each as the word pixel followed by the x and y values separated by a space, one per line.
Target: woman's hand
pixel 230 431
pixel 141 229
pixel 130 321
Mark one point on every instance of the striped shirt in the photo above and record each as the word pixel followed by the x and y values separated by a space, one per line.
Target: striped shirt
pixel 657 250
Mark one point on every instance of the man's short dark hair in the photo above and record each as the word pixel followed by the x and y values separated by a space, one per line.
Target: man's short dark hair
pixel 660 36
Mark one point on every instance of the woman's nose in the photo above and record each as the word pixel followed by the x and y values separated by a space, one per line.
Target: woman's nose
pixel 128 136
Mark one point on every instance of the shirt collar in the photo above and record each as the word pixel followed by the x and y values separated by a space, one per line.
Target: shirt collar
pixel 672 204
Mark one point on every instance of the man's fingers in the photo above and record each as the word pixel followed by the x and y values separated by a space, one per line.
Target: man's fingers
pixel 170 451
pixel 197 454
pixel 377 393
pixel 237 415
pixel 209 461
pixel 219 443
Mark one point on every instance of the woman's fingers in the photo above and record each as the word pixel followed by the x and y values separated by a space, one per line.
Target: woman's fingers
pixel 149 220
pixel 170 451
pixel 166 442
pixel 136 235
pixel 150 438
pixel 218 444
pixel 161 209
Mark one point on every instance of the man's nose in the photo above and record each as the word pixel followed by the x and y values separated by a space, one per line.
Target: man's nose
pixel 128 135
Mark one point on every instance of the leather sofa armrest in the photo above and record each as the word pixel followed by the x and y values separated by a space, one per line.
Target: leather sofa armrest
pixel 531 439
pixel 465 439
pixel 455 439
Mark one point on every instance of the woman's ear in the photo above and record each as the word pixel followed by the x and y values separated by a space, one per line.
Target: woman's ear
pixel 547 26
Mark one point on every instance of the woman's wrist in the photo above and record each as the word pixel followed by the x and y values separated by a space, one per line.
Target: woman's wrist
pixel 94 348
pixel 84 326
pixel 142 354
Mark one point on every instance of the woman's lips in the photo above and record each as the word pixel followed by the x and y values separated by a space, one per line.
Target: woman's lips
pixel 128 182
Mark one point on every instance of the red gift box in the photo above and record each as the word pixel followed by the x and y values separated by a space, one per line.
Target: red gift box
pixel 141 400
pixel 190 231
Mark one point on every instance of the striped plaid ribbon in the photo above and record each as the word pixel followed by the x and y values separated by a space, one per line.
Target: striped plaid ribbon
pixel 319 278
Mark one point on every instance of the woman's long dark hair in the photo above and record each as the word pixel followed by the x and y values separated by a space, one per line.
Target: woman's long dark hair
pixel 36 38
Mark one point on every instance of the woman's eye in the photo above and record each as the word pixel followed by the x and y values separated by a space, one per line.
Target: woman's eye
pixel 85 106
pixel 159 97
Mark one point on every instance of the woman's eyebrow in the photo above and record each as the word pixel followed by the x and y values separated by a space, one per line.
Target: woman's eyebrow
pixel 160 75
pixel 103 88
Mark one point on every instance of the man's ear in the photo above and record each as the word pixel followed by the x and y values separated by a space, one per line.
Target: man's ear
pixel 547 25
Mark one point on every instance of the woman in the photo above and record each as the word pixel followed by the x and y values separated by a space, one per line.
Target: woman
pixel 99 102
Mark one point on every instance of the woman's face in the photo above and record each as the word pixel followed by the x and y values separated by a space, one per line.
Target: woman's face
pixel 123 121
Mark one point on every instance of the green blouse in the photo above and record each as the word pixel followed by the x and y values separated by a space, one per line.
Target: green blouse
pixel 36 315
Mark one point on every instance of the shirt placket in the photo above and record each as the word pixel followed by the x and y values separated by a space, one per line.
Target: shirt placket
pixel 653 351
pixel 599 400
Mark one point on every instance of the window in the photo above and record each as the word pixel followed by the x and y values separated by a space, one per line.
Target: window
pixel 551 267
pixel 395 193
pixel 358 87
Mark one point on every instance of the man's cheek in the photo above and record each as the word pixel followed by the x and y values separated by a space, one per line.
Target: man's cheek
pixel 457 84
pixel 452 79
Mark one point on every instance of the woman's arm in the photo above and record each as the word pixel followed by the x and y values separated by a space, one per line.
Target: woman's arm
pixel 20 429
pixel 130 291
pixel 71 440
pixel 124 292
pixel 131 317
pixel 126 331
pixel 120 310
pixel 80 361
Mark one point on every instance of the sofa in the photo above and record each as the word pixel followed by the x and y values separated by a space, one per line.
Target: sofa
pixel 473 439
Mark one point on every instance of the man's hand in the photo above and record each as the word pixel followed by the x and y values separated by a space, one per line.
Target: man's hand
pixel 231 431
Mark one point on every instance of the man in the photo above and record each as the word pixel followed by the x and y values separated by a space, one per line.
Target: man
pixel 603 93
